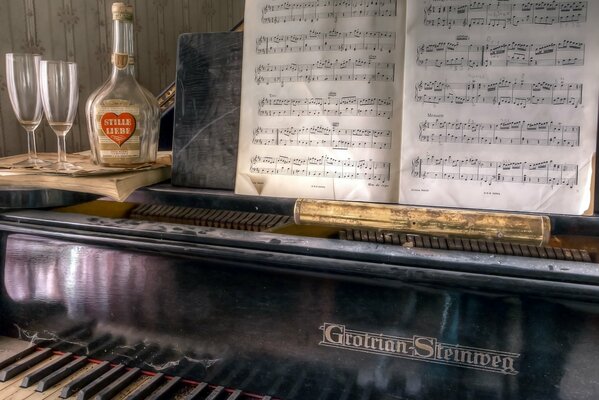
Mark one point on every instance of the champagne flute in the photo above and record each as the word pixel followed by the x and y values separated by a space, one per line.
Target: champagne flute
pixel 60 95
pixel 22 71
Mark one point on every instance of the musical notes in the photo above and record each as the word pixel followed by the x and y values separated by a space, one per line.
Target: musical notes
pixel 314 10
pixel 502 92
pixel 327 41
pixel 564 53
pixel 505 13
pixel 321 167
pixel 328 106
pixel 326 70
pixel 320 136
pixel 512 133
pixel 473 169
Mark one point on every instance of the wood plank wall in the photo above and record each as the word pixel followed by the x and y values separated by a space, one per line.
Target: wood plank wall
pixel 81 31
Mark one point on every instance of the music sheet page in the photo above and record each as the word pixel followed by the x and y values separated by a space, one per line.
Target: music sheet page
pixel 500 104
pixel 321 99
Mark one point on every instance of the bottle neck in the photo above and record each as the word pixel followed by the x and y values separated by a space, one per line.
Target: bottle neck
pixel 123 57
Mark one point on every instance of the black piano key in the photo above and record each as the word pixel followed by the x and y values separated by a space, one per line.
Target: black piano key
pixel 165 391
pixel 195 394
pixel 100 383
pixel 299 382
pixel 235 395
pixel 18 357
pixel 43 372
pixel 106 347
pixel 62 373
pixel 148 387
pixel 586 257
pixel 215 393
pixel 16 369
pixel 111 390
pixel 84 380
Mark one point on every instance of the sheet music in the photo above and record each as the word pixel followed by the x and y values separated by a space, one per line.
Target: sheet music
pixel 500 104
pixel 321 99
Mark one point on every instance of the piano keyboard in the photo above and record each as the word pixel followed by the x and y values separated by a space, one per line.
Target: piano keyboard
pixel 470 245
pixel 42 373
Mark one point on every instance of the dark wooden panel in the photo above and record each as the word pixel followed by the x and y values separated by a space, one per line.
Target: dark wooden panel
pixel 207 110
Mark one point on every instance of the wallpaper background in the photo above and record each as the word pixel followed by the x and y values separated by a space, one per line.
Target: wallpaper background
pixel 81 31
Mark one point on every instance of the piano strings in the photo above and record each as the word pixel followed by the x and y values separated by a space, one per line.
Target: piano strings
pixel 564 53
pixel 321 167
pixel 314 10
pixel 502 92
pixel 510 133
pixel 320 136
pixel 326 41
pixel 505 13
pixel 326 70
pixel 473 169
pixel 329 106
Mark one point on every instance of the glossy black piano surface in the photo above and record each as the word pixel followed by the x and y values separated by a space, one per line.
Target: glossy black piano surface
pixel 301 318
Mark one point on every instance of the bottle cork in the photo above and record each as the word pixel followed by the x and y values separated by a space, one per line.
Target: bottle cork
pixel 122 12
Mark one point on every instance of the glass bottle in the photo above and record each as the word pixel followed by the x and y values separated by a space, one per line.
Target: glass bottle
pixel 123 117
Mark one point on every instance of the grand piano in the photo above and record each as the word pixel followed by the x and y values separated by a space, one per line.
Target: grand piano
pixel 108 301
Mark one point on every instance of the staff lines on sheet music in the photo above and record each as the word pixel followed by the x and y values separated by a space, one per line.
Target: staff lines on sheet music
pixel 324 137
pixel 314 10
pixel 322 167
pixel 473 169
pixel 326 70
pixel 328 106
pixel 511 54
pixel 505 13
pixel 510 133
pixel 502 92
pixel 326 41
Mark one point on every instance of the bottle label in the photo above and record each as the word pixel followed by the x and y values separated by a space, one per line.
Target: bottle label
pixel 118 132
pixel 121 60
pixel 118 128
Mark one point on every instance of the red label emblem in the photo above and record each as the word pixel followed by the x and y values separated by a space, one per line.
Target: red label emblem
pixel 118 128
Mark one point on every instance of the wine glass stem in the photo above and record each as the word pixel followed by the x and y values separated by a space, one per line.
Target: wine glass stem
pixel 31 150
pixel 62 149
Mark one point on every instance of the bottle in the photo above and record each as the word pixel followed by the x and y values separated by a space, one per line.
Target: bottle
pixel 123 118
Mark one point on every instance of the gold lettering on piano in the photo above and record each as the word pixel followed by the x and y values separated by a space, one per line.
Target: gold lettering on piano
pixel 419 348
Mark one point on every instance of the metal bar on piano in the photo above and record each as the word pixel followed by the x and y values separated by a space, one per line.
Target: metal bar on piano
pixel 41 373
pixel 143 391
pixel 14 370
pixel 195 394
pixel 110 391
pixel 164 392
pixel 62 373
pixel 100 383
pixel 84 380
